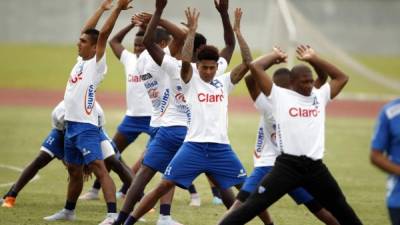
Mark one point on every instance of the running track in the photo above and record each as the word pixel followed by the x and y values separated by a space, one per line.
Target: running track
pixel 45 98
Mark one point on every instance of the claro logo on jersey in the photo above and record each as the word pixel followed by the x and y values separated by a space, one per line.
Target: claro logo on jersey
pixel 78 75
pixel 89 99
pixel 301 112
pixel 206 97
pixel 134 78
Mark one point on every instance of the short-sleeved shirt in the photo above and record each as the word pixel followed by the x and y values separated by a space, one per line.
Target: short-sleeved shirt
pixel 300 120
pixel 80 93
pixel 137 100
pixel 386 139
pixel 208 103
pixel 266 149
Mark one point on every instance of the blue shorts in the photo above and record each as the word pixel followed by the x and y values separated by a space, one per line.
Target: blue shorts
pixel 132 126
pixel 83 148
pixel 152 133
pixel 163 147
pixel 54 144
pixel 217 160
pixel 299 195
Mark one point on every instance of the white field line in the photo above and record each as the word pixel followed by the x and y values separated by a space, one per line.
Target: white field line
pixel 14 168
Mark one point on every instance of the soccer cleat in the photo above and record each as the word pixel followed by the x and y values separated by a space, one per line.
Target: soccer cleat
pixel 8 202
pixel 90 195
pixel 110 219
pixel 195 200
pixel 216 201
pixel 120 195
pixel 167 220
pixel 64 214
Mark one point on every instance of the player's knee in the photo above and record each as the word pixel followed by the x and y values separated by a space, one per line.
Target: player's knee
pixel 242 196
pixel 166 185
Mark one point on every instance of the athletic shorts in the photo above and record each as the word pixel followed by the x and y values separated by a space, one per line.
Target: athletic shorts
pixel 299 195
pixel 54 144
pixel 107 148
pixel 83 148
pixel 163 147
pixel 132 126
pixel 217 160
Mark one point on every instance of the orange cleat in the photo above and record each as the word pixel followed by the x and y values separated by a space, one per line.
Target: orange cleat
pixel 8 202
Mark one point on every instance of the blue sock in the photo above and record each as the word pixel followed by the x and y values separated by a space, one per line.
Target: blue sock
pixel 165 209
pixel 216 192
pixel 70 205
pixel 111 207
pixel 192 189
pixel 130 221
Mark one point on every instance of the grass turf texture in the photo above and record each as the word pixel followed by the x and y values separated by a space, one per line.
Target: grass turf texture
pixel 39 66
pixel 23 130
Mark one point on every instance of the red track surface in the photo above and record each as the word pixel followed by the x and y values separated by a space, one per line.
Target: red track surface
pixel 26 97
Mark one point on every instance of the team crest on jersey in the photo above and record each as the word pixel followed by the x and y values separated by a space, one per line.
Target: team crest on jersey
pixel 315 102
pixel 260 143
pixel 89 99
pixel 216 83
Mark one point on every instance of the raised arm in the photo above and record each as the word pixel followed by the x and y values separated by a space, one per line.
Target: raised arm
pixel 258 67
pixel 108 26
pixel 239 71
pixel 176 31
pixel 229 37
pixel 94 19
pixel 322 77
pixel 155 51
pixel 338 78
pixel 252 87
pixel 192 17
pixel 116 42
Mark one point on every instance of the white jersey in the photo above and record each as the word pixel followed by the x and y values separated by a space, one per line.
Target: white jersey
pixel 266 149
pixel 208 103
pixel 80 93
pixel 137 100
pixel 178 110
pixel 300 121
pixel 164 92
pixel 58 114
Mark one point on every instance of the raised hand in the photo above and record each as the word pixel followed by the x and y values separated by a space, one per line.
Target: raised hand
pixel 125 4
pixel 106 5
pixel 305 53
pixel 238 18
pixel 141 19
pixel 222 5
pixel 280 55
pixel 192 17
pixel 160 4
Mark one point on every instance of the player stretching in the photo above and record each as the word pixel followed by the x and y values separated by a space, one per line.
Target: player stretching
pixel 300 132
pixel 82 145
pixel 206 148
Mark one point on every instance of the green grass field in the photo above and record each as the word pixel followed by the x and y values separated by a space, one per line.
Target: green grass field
pixel 23 130
pixel 39 66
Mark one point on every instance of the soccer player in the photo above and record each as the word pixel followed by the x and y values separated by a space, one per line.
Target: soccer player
pixel 81 141
pixel 206 148
pixel 300 116
pixel 385 154
pixel 138 113
pixel 53 147
pixel 266 150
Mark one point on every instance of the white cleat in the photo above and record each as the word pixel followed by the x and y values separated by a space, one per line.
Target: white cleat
pixel 64 214
pixel 120 195
pixel 90 195
pixel 167 220
pixel 217 201
pixel 110 219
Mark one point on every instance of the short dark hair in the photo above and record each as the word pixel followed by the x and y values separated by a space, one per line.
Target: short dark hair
pixel 199 40
pixel 282 72
pixel 160 35
pixel 208 52
pixel 299 70
pixel 93 35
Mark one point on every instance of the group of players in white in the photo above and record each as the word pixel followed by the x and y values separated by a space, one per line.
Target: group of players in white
pixel 177 92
